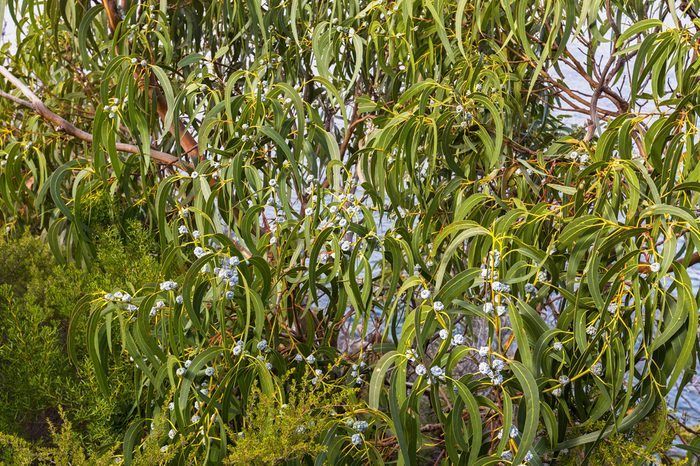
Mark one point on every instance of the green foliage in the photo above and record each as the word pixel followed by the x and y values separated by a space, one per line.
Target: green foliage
pixel 23 262
pixel 636 445
pixel 66 448
pixel 275 431
pixel 35 308
pixel 376 195
pixel 14 450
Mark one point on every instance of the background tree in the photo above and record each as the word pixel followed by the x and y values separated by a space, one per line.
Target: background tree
pixel 373 213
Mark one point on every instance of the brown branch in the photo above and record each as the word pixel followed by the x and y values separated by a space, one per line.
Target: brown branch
pixel 348 133
pixel 112 14
pixel 606 75
pixel 177 129
pixel 611 19
pixel 64 125
pixel 565 90
pixel 570 60
pixel 519 147
pixel 187 141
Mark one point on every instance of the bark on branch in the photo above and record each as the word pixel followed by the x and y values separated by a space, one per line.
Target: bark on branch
pixel 64 125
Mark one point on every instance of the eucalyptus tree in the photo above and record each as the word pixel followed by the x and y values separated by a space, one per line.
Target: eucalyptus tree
pixel 372 214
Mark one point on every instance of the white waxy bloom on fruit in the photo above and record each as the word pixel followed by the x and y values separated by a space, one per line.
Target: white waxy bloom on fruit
pixel 360 426
pixel 501 287
pixel 168 285
pixel 484 368
pixel 498 365
pixel 356 439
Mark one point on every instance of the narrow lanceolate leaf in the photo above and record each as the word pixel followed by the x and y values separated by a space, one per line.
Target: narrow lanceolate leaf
pixel 377 381
pixel 532 408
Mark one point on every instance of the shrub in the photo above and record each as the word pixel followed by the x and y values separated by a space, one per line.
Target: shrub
pixel 649 442
pixel 66 448
pixel 275 432
pixel 386 192
pixel 35 308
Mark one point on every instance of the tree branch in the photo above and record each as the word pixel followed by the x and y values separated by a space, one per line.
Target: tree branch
pixel 64 125
pixel 177 129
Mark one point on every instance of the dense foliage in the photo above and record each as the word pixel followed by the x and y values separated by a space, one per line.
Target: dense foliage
pixel 375 236
pixel 39 387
